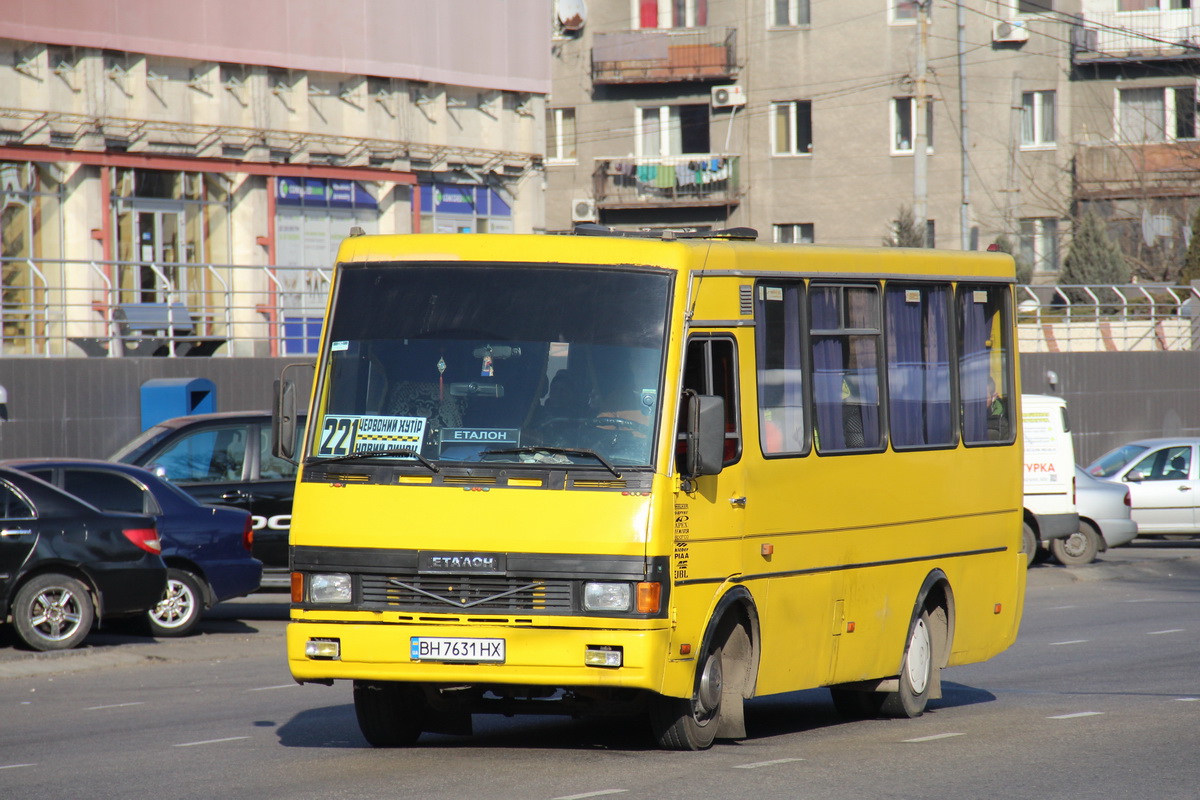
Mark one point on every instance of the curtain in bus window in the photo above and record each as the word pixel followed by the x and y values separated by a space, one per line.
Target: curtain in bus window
pixel 975 327
pixel 845 367
pixel 918 366
pixel 828 374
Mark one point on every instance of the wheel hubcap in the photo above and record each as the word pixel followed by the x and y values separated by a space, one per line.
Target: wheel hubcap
pixel 708 695
pixel 1075 544
pixel 920 656
pixel 55 614
pixel 176 607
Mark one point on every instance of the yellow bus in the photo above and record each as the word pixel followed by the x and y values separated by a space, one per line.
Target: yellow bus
pixel 653 475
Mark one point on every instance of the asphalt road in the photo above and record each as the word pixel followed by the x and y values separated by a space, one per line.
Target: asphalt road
pixel 1099 698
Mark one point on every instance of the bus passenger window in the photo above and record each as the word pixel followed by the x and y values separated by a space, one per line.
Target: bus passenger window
pixel 918 372
pixel 711 368
pixel 985 365
pixel 780 368
pixel 845 359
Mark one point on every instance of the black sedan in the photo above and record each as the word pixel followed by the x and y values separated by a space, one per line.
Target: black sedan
pixel 207 549
pixel 65 564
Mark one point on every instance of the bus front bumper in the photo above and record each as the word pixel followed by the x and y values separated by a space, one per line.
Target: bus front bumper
pixel 531 656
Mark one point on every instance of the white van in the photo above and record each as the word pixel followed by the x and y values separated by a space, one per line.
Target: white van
pixel 1049 471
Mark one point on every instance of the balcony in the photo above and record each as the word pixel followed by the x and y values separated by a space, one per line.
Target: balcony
pixel 697 179
pixel 1152 170
pixel 1128 36
pixel 664 55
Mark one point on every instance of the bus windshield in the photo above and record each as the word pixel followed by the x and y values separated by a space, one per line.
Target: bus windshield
pixel 431 363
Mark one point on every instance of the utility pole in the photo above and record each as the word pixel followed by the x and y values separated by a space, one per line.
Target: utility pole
pixel 964 144
pixel 920 135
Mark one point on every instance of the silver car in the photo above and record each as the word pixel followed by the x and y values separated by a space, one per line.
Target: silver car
pixel 1163 478
pixel 1105 521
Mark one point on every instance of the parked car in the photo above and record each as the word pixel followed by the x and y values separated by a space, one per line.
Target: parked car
pixel 225 458
pixel 1163 478
pixel 206 548
pixel 65 564
pixel 1105 521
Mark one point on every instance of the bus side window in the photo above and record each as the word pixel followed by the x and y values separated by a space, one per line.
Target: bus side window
pixel 845 345
pixel 985 364
pixel 711 368
pixel 778 352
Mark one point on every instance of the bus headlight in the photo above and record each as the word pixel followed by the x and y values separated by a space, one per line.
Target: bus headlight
pixel 329 588
pixel 607 597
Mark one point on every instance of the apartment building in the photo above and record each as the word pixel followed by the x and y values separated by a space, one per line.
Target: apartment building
pixel 800 118
pixel 1135 67
pixel 201 161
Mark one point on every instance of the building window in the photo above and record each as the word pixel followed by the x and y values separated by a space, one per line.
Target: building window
pixel 1037 119
pixel 1034 6
pixel 903 12
pixel 787 13
pixel 902 125
pixel 1039 243
pixel 672 130
pixel 795 233
pixel 1157 114
pixel 791 133
pixel 672 13
pixel 1153 5
pixel 560 135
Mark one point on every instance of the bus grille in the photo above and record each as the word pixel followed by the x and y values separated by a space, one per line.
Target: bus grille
pixel 476 593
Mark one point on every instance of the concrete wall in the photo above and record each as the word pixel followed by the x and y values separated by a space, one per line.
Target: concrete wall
pixel 90 407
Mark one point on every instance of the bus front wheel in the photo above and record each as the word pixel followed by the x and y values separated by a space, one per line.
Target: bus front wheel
pixel 690 723
pixel 389 714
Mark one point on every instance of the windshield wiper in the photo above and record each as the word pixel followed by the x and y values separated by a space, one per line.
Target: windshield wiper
pixel 566 451
pixel 395 451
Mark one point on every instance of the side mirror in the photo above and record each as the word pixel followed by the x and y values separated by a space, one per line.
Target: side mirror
pixel 705 435
pixel 1134 477
pixel 283 421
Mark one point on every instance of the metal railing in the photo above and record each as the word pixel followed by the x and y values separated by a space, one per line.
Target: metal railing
pixel 691 179
pixel 54 308
pixel 62 307
pixel 660 55
pixel 1130 34
pixel 1112 318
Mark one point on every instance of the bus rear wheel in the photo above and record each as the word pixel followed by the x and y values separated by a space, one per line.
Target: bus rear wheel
pixel 690 723
pixel 916 672
pixel 389 714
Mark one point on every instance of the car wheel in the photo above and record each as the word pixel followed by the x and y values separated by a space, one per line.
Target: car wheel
pixel 179 610
pixel 389 714
pixel 1029 543
pixel 53 612
pixel 1079 548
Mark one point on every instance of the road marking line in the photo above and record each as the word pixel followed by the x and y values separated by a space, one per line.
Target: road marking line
pixel 268 688
pixel 115 705
pixel 211 741
pixel 1187 699
pixel 1072 641
pixel 758 764
pixel 1160 633
pixel 16 766
pixel 1078 715
pixel 933 738
pixel 1062 608
pixel 600 793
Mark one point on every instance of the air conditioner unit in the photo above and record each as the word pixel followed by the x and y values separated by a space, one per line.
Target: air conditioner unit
pixel 583 209
pixel 1013 30
pixel 727 96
